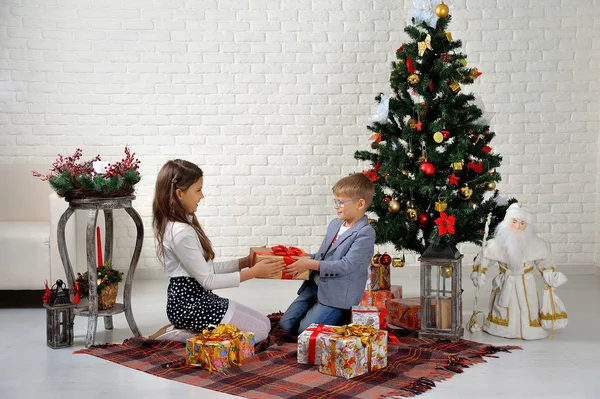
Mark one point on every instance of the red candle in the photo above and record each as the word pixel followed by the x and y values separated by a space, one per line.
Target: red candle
pixel 99 246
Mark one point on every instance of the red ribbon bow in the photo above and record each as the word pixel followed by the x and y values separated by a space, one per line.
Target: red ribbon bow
pixel 287 253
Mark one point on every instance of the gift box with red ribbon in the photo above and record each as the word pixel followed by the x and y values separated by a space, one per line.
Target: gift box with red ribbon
pixel 369 316
pixel 374 317
pixel 279 251
pixel 308 352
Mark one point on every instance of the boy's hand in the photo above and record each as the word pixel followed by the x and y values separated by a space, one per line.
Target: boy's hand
pixel 301 265
pixel 269 267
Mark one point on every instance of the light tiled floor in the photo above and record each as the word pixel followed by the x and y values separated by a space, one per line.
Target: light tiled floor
pixel 567 367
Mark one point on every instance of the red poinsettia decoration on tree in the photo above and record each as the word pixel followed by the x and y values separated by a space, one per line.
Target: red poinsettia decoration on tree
pixel 445 224
pixel 372 173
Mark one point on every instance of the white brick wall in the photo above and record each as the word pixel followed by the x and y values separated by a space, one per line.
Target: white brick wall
pixel 270 98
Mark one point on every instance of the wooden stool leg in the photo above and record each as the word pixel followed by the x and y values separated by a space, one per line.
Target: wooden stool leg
pixel 131 271
pixel 92 277
pixel 108 249
pixel 62 246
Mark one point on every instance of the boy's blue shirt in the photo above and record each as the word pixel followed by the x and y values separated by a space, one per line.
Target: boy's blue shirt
pixel 344 268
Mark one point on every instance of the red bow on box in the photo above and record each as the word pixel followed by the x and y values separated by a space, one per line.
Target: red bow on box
pixel 287 253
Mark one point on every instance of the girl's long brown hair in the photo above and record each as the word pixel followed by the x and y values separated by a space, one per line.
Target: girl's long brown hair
pixel 166 207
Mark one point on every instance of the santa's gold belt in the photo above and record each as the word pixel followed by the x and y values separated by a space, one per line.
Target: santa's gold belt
pixel 528 270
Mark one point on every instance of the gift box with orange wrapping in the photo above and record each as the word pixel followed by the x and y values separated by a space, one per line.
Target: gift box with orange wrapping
pixel 280 251
pixel 406 313
pixel 222 347
pixel 376 298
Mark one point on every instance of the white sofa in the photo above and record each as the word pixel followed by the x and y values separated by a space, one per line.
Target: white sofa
pixel 29 214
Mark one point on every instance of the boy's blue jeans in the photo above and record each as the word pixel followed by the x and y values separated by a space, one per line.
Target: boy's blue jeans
pixel 306 310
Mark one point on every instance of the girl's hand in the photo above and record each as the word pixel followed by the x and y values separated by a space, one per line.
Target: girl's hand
pixel 269 267
pixel 244 262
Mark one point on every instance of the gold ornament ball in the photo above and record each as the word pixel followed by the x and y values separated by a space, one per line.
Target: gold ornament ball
pixel 446 271
pixel 438 137
pixel 412 213
pixel 490 186
pixel 404 171
pixel 412 123
pixel 462 62
pixel 375 260
pixel 465 192
pixel 442 10
pixel 394 206
pixel 398 262
pixel 413 79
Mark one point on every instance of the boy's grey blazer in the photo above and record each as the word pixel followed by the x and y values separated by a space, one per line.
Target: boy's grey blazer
pixel 344 267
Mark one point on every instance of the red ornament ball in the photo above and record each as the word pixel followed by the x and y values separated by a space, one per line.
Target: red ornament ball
pixel 387 198
pixel 423 220
pixel 427 168
pixel 385 259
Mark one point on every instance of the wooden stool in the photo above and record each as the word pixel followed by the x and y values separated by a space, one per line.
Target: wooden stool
pixel 94 205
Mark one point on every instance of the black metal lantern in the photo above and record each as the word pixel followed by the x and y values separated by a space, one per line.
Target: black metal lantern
pixel 441 292
pixel 59 317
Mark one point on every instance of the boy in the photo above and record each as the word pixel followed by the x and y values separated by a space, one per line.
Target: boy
pixel 339 270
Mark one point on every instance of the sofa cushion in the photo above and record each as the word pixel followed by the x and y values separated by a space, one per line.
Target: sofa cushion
pixel 25 255
pixel 27 196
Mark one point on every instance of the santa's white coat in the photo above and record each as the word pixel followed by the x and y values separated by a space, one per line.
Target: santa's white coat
pixel 514 302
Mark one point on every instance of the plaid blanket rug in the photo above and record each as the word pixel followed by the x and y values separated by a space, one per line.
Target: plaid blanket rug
pixel 414 366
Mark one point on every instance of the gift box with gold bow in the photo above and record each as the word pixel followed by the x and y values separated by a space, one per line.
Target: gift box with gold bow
pixel 379 277
pixel 352 350
pixel 280 251
pixel 308 350
pixel 220 348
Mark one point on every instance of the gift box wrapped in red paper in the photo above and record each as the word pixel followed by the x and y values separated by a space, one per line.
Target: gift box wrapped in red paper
pixel 376 298
pixel 406 313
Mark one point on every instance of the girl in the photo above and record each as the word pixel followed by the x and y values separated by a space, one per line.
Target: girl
pixel 187 255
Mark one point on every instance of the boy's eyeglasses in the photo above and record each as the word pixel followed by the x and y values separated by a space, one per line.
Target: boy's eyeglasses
pixel 340 204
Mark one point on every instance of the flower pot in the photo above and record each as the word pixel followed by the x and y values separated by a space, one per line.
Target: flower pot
pixel 108 297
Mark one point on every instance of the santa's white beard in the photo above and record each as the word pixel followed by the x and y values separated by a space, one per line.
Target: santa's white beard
pixel 514 243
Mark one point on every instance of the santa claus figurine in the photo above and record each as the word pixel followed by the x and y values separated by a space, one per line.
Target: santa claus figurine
pixel 514 306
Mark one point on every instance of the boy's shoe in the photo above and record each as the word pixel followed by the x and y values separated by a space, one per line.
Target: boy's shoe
pixel 170 333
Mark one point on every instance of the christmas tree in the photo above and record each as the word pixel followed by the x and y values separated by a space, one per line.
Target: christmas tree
pixel 433 165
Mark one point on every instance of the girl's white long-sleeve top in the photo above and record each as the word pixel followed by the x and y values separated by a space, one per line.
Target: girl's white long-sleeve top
pixel 184 257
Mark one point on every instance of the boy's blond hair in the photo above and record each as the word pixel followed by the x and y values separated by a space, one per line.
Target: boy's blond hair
pixel 355 186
